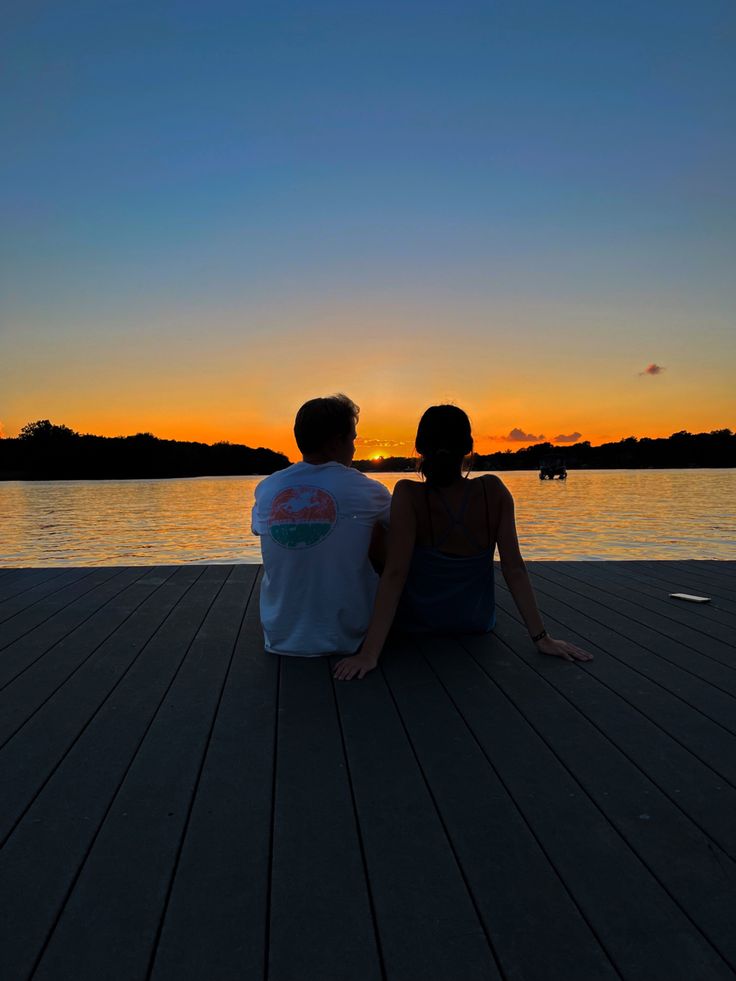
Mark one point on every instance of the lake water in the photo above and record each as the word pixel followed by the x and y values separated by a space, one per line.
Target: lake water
pixel 595 514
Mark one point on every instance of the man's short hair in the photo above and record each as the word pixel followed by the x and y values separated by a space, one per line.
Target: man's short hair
pixel 324 419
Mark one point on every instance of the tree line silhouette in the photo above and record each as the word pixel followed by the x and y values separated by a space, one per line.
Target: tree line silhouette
pixel 683 449
pixel 43 451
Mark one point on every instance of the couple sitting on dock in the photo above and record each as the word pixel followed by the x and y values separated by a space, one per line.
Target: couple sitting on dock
pixel 344 561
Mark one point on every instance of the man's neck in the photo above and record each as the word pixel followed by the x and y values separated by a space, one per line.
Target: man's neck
pixel 317 458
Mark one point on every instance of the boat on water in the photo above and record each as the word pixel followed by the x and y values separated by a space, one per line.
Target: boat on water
pixel 551 467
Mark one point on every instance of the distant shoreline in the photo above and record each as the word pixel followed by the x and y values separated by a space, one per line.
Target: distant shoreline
pixel 44 451
pixel 680 451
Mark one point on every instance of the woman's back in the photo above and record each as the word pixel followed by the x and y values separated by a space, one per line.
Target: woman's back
pixel 459 520
pixel 449 587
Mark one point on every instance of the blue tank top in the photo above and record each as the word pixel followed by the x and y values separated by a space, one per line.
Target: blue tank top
pixel 449 593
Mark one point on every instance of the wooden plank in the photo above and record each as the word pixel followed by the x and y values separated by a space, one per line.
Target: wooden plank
pixel 321 922
pixel 624 668
pixel 644 932
pixel 76 797
pixel 14 580
pixel 427 922
pixel 33 754
pixel 610 597
pixel 714 611
pixel 722 594
pixel 26 579
pixel 687 781
pixel 642 586
pixel 38 666
pixel 8 574
pixel 723 571
pixel 696 874
pixel 719 566
pixel 688 579
pixel 689 623
pixel 207 904
pixel 10 607
pixel 525 906
pixel 660 576
pixel 109 923
pixel 704 684
pixel 711 659
pixel 215 921
pixel 716 569
pixel 63 605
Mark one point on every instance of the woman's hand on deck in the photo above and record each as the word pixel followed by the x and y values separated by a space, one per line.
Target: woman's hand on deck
pixel 561 648
pixel 357 665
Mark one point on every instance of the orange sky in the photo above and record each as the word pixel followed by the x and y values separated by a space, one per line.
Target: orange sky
pixel 246 388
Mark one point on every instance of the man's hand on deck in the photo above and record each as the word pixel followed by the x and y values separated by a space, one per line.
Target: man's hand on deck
pixel 355 666
pixel 561 648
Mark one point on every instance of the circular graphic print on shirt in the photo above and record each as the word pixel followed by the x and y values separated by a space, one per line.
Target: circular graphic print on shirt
pixel 302 516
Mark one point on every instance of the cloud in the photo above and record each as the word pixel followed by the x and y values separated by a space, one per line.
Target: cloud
pixel 519 436
pixel 572 438
pixel 360 441
pixel 652 369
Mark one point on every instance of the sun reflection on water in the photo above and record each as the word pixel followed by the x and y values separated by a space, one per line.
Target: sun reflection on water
pixel 595 514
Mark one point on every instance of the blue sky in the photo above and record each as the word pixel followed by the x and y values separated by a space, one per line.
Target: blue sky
pixel 452 185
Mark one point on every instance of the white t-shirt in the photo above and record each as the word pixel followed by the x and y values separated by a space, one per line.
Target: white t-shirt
pixel 318 587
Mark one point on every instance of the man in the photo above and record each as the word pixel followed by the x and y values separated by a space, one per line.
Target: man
pixel 318 520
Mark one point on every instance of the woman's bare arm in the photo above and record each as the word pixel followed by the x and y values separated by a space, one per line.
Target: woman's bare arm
pixel 402 534
pixel 517 579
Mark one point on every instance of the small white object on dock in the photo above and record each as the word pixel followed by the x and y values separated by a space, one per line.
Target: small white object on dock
pixel 691 599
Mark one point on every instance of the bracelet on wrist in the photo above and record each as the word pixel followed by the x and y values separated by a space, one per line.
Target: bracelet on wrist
pixel 539 636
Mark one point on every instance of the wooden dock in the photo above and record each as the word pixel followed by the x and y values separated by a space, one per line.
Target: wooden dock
pixel 177 805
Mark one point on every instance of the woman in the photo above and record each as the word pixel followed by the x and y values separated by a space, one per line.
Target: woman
pixel 438 576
